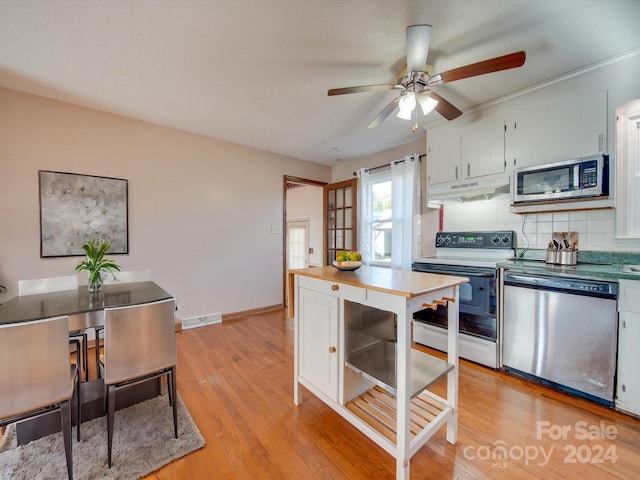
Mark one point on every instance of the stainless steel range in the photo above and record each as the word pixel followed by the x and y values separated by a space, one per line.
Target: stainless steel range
pixel 473 255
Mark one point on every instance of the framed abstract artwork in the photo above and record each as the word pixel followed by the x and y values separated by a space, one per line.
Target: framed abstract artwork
pixel 77 208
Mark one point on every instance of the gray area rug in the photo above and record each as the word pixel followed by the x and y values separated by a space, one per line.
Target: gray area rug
pixel 142 443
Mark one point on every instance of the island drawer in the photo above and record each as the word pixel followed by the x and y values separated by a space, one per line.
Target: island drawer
pixel 347 292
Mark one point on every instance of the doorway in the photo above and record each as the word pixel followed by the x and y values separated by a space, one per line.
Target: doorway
pixel 302 240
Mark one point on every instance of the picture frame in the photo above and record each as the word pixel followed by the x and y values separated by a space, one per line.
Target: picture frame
pixel 76 208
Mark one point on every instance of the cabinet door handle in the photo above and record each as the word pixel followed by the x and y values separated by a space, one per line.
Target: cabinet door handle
pixel 456 173
pixel 332 349
pixel 468 169
pixel 335 287
pixel 601 142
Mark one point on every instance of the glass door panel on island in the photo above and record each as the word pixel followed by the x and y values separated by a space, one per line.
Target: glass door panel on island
pixel 340 214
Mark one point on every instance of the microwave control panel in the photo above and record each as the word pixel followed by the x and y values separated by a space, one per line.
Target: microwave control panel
pixel 589 174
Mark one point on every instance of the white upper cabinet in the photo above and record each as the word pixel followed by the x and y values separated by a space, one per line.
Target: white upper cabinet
pixel 443 154
pixel 483 145
pixel 557 124
pixel 460 151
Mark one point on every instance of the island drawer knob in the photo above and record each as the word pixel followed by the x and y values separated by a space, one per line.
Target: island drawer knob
pixel 335 287
pixel 332 349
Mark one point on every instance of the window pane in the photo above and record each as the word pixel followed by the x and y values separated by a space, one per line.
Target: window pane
pixel 339 198
pixel 332 218
pixel 331 200
pixel 340 218
pixel 332 239
pixel 381 219
pixel 348 243
pixel 339 239
pixel 348 197
pixel 347 218
pixel 297 254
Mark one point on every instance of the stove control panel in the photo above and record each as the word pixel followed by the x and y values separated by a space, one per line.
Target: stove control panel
pixel 497 239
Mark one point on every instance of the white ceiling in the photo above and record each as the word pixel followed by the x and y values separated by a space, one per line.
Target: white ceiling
pixel 257 72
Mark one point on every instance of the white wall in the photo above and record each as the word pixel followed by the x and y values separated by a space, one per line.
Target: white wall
pixel 344 170
pixel 200 210
pixel 305 203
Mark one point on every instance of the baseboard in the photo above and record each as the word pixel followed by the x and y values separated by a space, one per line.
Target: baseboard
pixel 225 316
pixel 270 308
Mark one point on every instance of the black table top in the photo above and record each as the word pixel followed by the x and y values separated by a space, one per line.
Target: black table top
pixel 71 302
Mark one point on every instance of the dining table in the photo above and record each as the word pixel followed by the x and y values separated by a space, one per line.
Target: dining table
pixel 85 310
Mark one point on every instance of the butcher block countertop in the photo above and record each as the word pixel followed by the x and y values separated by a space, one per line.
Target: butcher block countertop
pixel 397 282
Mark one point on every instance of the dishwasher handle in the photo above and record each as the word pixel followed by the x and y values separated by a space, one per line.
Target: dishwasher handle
pixel 572 285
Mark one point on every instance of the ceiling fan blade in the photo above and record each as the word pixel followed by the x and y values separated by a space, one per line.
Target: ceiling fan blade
pixel 361 88
pixel 444 108
pixel 505 62
pixel 418 39
pixel 386 111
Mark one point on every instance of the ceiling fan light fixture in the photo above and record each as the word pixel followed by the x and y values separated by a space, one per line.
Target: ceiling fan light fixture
pixel 406 105
pixel 427 102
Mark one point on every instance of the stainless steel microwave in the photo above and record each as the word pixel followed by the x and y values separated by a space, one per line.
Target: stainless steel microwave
pixel 569 179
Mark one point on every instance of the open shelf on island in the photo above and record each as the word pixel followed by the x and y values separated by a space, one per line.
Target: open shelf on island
pixel 377 362
pixel 377 408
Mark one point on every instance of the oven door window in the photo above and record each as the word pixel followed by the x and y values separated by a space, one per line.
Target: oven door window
pixel 466 292
pixel 482 326
pixel 478 296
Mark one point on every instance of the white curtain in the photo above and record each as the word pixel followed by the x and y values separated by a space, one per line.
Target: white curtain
pixel 364 215
pixel 405 200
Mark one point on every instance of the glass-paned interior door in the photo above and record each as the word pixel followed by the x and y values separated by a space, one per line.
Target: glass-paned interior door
pixel 341 218
pixel 298 244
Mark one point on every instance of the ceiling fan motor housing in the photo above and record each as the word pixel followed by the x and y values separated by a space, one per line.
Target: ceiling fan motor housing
pixel 415 82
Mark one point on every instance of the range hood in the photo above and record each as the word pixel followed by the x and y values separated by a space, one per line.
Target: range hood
pixel 467 190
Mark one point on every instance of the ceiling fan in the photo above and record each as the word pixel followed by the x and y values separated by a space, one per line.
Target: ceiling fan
pixel 416 86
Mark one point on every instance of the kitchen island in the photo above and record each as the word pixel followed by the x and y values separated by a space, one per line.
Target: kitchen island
pixel 371 376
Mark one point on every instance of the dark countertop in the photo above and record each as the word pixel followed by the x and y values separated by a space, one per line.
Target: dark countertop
pixel 71 302
pixel 591 265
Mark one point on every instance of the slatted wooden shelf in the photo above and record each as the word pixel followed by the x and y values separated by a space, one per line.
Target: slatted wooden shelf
pixel 377 408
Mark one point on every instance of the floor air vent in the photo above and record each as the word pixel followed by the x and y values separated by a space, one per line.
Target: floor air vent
pixel 194 322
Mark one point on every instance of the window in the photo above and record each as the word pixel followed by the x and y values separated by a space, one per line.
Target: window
pixel 380 227
pixel 390 213
pixel 628 172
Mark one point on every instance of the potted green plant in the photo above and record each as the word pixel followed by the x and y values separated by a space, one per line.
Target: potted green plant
pixel 96 265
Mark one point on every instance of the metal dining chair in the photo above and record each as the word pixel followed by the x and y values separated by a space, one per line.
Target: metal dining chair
pixel 77 338
pixel 139 345
pixel 43 380
pixel 128 276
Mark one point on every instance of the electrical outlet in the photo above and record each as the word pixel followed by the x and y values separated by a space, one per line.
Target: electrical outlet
pixel 276 229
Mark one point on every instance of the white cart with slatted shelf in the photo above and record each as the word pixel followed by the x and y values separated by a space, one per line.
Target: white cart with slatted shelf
pixel 353 350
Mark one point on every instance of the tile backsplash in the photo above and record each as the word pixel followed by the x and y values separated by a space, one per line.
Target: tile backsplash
pixel 596 228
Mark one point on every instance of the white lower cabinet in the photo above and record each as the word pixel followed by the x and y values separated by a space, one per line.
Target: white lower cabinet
pixel 318 337
pixel 628 385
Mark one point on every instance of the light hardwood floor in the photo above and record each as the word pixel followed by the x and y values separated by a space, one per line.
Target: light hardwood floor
pixel 236 379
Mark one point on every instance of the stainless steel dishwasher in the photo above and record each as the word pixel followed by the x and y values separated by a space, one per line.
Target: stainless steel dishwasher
pixel 562 331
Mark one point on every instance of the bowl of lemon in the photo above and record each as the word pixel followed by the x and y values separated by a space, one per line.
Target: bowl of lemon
pixel 347 260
